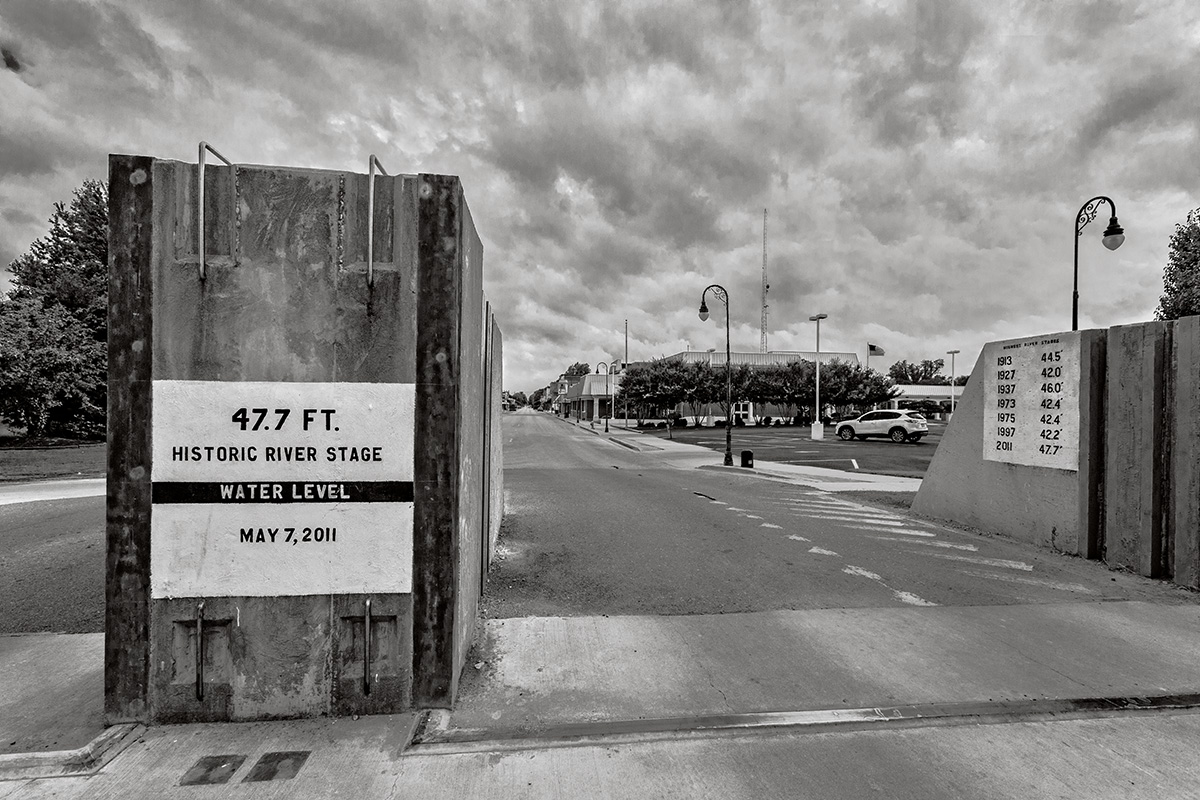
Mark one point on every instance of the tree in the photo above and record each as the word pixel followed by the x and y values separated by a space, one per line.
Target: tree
pixel 1181 277
pixel 519 399
pixel 926 373
pixel 54 324
pixel 579 368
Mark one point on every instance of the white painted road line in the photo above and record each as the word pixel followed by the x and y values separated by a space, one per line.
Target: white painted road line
pixel 796 538
pixel 910 598
pixel 904 531
pixel 821 551
pixel 904 597
pixel 987 562
pixel 969 547
pixel 1000 576
pixel 858 518
pixel 769 525
pixel 854 461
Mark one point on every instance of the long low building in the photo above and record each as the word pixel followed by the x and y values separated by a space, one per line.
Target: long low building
pixel 771 357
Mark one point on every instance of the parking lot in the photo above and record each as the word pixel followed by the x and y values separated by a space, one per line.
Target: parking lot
pixel 794 445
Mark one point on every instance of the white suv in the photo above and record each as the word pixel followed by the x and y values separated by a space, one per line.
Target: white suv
pixel 899 426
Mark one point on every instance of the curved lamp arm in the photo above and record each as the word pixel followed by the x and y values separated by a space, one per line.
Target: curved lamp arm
pixel 1114 234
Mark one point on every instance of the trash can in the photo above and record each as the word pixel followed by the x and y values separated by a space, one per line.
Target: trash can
pixel 747 458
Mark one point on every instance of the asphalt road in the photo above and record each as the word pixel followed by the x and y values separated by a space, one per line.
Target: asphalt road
pixel 52 566
pixel 594 528
pixel 792 444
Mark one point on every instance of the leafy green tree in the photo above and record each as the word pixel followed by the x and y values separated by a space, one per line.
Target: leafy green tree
pixel 701 385
pixel 1181 277
pixel 579 368
pixel 869 388
pixel 798 381
pixel 926 373
pixel 636 388
pixel 49 365
pixel 53 370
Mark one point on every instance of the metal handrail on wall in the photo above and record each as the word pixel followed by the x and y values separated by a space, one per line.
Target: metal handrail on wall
pixel 204 147
pixel 372 163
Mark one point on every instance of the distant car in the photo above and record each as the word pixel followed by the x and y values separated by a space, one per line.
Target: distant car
pixel 899 426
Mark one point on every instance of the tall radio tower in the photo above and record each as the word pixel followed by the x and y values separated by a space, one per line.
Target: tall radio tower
pixel 762 343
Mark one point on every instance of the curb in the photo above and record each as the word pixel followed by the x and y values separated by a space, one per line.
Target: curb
pixel 63 763
pixel 439 740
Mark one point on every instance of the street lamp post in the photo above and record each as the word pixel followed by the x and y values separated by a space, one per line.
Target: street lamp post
pixel 720 293
pixel 953 375
pixel 710 351
pixel 607 392
pixel 818 426
pixel 1114 235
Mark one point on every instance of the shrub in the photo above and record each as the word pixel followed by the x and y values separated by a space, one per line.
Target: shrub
pixel 739 422
pixel 681 422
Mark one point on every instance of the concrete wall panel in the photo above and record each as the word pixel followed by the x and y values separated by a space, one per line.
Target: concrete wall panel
pixel 1134 447
pixel 1024 502
pixel 288 300
pixel 1185 452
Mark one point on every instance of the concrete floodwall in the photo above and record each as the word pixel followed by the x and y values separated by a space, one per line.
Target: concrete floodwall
pixel 299 442
pixel 1129 497
pixel 1047 506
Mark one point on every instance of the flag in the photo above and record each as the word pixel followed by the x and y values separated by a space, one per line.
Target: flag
pixel 872 350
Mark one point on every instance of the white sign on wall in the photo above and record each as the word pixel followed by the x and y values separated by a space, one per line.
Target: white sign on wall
pixel 278 489
pixel 1031 401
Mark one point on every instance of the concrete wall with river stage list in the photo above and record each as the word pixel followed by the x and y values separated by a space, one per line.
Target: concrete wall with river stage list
pixel 1084 442
pixel 304 482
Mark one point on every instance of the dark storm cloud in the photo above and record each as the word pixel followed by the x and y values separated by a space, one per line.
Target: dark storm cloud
pixel 27 154
pixel 910 68
pixel 559 45
pixel 1138 104
pixel 100 38
pixel 11 62
pixel 389 33
pixel 18 216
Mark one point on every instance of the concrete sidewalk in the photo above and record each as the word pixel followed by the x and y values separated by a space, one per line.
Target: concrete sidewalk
pixel 1087 700
pixel 694 456
pixel 11 493
pixel 807 704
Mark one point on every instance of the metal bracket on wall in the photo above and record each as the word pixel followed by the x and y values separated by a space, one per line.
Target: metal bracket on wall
pixel 204 147
pixel 367 642
pixel 200 650
pixel 372 163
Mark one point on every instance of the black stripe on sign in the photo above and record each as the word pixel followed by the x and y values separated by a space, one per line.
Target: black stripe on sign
pixel 217 492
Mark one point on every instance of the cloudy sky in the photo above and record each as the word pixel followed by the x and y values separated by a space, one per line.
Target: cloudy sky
pixel 922 162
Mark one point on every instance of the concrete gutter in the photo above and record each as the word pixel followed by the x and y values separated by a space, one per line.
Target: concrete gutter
pixel 63 763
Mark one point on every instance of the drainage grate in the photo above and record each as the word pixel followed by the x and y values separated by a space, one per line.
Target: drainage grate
pixel 278 766
pixel 212 769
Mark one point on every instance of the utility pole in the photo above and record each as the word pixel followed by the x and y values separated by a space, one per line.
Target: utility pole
pixel 762 343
